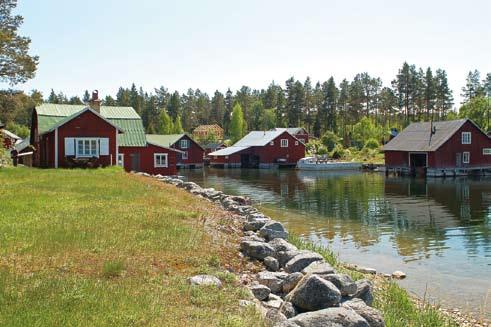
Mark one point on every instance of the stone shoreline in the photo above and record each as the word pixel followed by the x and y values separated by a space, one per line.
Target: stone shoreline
pixel 296 288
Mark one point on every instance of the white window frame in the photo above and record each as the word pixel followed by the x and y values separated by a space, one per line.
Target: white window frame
pixel 120 161
pixel 284 143
pixel 271 143
pixel 84 155
pixel 466 135
pixel 466 157
pixel 160 165
pixel 486 151
pixel 296 142
pixel 184 155
pixel 184 144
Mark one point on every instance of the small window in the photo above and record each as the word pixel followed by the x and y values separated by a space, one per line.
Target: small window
pixel 184 155
pixel 296 142
pixel 87 148
pixel 271 143
pixel 466 157
pixel 226 157
pixel 486 151
pixel 121 159
pixel 302 140
pixel 160 160
pixel 466 137
pixel 184 144
pixel 284 143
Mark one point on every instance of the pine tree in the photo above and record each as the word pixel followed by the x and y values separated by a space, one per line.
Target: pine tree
pixel 444 97
pixel 486 83
pixel 228 111
pixel 217 108
pixel 308 103
pixel 86 97
pixel 257 115
pixel 271 96
pixel 329 104
pixel 429 94
pixel 53 98
pixel 75 100
pixel 178 126
pixel 343 104
pixel 174 106
pixel 473 87
pixel 109 101
pixel 237 125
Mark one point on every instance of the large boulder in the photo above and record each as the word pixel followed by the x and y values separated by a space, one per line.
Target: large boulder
pixel 333 317
pixel 301 261
pixel 371 315
pixel 285 256
pixel 314 293
pixel 291 281
pixel 273 280
pixel 255 222
pixel 205 280
pixel 318 268
pixel 260 292
pixel 272 230
pixel 271 264
pixel 275 317
pixel 256 250
pixel 273 302
pixel 280 244
pixel 343 282
pixel 288 309
pixel 364 291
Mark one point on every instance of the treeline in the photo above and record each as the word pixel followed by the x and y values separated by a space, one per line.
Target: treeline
pixel 414 94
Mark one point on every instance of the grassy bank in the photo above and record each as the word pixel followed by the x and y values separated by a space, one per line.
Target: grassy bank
pixel 101 247
pixel 398 309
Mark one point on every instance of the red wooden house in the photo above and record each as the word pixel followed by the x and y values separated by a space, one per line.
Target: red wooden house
pixel 96 136
pixel 190 154
pixel 445 148
pixel 261 150
pixel 9 139
pixel 299 132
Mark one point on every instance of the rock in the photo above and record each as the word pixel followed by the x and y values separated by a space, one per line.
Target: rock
pixel 335 317
pixel 246 303
pixel 291 281
pixel 273 280
pixel 287 323
pixel 257 250
pixel 272 230
pixel 288 310
pixel 205 280
pixel 299 262
pixel 242 200
pixel 363 270
pixel 364 291
pixel 398 274
pixel 343 282
pixel 273 302
pixel 371 315
pixel 271 264
pixel 253 237
pixel 189 185
pixel 285 256
pixel 280 244
pixel 318 268
pixel 314 293
pixel 255 224
pixel 274 316
pixel 260 292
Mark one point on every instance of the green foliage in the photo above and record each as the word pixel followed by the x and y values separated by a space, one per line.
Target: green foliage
pixel 479 110
pixel 337 152
pixel 178 126
pixel 112 269
pixel 330 140
pixel 372 144
pixel 20 130
pixel 363 130
pixel 238 124
pixel 166 126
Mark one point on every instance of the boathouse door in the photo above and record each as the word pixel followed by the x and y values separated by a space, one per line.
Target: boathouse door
pixel 135 161
pixel 458 160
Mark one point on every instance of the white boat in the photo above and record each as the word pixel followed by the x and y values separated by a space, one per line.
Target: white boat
pixel 313 163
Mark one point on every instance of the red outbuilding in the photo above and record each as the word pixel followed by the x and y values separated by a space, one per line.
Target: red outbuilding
pixel 191 154
pixel 261 150
pixel 96 136
pixel 444 148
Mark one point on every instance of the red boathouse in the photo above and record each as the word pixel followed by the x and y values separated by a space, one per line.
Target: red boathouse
pixel 444 148
pixel 191 154
pixel 299 132
pixel 261 150
pixel 67 136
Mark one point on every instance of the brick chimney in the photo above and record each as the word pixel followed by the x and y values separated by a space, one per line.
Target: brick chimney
pixel 95 103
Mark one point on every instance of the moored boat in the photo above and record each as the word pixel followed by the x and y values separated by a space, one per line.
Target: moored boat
pixel 313 163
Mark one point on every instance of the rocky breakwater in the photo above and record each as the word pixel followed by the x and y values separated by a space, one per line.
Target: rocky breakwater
pixel 297 288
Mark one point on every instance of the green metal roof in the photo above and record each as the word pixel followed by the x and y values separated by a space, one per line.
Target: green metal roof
pixel 50 115
pixel 164 140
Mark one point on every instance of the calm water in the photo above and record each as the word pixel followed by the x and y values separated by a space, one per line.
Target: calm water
pixel 437 231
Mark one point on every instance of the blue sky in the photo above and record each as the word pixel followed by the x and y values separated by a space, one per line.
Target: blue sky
pixel 219 44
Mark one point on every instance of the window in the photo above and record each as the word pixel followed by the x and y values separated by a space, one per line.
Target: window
pixel 160 160
pixel 466 137
pixel 466 157
pixel 184 144
pixel 284 143
pixel 184 155
pixel 271 143
pixel 296 142
pixel 87 148
pixel 302 140
pixel 120 159
pixel 486 151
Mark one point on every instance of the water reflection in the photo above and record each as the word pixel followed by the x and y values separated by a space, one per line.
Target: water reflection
pixel 438 230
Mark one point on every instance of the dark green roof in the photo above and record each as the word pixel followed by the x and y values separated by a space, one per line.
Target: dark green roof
pixel 50 115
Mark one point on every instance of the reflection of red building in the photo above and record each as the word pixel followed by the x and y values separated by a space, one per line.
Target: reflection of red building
pixel 262 150
pixel 455 147
pixel 95 136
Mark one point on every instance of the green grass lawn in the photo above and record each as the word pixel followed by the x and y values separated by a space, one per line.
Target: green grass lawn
pixel 102 247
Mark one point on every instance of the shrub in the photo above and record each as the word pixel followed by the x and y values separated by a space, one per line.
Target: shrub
pixel 322 150
pixel 330 140
pixel 372 144
pixel 337 152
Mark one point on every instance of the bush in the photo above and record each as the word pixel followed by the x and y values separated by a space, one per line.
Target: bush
pixel 372 144
pixel 322 150
pixel 330 140
pixel 337 152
